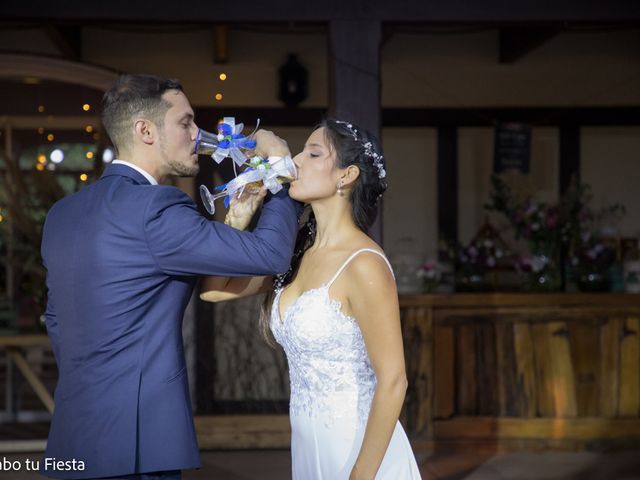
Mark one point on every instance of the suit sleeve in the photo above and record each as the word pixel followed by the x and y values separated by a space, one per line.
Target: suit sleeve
pixel 183 242
pixel 51 322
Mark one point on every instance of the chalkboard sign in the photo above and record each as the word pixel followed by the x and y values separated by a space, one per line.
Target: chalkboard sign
pixel 512 148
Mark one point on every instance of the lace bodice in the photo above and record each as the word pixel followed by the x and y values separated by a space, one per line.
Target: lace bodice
pixel 330 372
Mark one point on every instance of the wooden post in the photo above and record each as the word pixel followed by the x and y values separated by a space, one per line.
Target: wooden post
pixel 448 183
pixel 354 80
pixel 569 155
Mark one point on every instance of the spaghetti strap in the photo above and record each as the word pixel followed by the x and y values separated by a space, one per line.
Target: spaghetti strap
pixel 344 265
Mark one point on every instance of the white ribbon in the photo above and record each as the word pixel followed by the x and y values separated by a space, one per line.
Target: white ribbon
pixel 278 167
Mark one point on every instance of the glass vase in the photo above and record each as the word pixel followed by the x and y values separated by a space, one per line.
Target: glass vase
pixel 549 279
pixel 593 281
pixel 471 282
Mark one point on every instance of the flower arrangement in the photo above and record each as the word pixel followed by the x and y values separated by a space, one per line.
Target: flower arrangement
pixel 544 226
pixel 551 229
pixel 593 253
pixel 430 272
pixel 479 255
pixel 472 262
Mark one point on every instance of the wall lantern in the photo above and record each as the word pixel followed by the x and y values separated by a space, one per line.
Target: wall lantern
pixel 294 82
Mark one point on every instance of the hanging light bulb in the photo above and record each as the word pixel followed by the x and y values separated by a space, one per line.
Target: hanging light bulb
pixel 56 156
pixel 107 155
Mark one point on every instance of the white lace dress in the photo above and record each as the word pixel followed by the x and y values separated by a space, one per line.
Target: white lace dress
pixel 332 385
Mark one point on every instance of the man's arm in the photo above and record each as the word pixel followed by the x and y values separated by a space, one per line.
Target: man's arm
pixel 183 242
pixel 51 321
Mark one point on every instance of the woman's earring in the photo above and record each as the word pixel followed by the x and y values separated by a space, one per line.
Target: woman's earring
pixel 339 190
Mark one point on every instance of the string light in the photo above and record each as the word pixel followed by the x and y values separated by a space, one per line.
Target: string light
pixel 89 155
pixel 86 107
pixel 83 177
pixel 40 167
pixel 40 108
pixel 218 96
pixel 50 137
pixel 223 76
pixel 42 158
pixel 40 130
pixel 88 129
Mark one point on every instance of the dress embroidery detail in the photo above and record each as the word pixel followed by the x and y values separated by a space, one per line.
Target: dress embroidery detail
pixel 331 376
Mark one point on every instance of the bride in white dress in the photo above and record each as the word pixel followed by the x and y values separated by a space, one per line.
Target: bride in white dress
pixel 335 313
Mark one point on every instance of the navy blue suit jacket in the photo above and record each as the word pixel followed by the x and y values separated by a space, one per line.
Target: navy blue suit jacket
pixel 122 258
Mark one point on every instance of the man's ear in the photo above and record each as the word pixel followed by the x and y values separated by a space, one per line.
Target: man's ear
pixel 144 131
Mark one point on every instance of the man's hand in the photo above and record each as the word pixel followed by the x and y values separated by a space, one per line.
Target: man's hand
pixel 242 209
pixel 268 144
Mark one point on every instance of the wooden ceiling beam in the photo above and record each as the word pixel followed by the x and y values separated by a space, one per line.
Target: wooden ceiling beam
pixel 516 42
pixel 412 11
pixel 67 39
pixel 220 44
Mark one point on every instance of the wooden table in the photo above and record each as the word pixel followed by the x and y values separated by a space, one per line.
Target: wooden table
pixel 15 345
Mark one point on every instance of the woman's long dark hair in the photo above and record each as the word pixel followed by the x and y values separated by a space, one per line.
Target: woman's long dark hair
pixel 348 141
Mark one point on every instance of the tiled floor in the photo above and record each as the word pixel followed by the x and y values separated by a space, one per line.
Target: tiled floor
pixel 275 465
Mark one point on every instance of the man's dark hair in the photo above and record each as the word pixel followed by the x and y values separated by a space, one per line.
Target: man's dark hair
pixel 134 96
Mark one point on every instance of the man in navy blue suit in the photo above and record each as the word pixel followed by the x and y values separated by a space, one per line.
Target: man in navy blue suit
pixel 122 257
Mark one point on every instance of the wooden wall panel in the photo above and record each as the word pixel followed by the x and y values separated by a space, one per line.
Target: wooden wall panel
pixel 486 369
pixel 562 369
pixel 466 370
pixel 585 354
pixel 543 368
pixel 562 380
pixel 611 333
pixel 445 373
pixel 629 402
pixel 526 386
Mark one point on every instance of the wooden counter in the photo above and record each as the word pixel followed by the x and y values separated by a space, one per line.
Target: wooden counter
pixel 548 368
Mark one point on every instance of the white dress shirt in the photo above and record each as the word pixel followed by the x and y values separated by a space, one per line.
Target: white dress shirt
pixel 143 172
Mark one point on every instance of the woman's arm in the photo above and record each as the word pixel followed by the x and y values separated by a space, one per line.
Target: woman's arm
pixel 374 302
pixel 220 289
pixel 241 210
